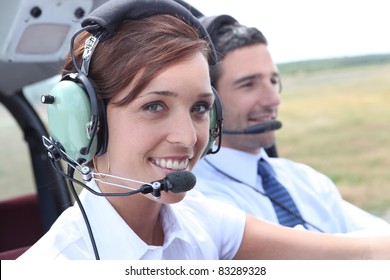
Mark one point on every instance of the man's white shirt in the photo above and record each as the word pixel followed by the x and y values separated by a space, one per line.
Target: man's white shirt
pixel 231 176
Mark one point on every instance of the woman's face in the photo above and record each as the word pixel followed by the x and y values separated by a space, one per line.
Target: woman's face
pixel 165 128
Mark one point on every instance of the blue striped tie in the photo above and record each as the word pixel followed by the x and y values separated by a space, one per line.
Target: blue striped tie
pixel 285 208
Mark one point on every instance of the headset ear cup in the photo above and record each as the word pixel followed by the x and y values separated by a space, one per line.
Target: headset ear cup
pixel 69 121
pixel 215 129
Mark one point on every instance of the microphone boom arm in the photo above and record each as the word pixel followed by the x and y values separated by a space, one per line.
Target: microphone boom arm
pixel 257 128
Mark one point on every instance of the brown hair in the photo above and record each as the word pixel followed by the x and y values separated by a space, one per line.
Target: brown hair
pixel 137 52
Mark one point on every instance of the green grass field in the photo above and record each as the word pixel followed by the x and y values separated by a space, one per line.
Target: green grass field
pixel 338 121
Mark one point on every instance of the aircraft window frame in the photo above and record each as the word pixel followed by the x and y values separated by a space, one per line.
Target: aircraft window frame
pixel 16 173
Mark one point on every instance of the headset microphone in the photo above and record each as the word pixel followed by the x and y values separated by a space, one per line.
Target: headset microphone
pixel 177 182
pixel 257 128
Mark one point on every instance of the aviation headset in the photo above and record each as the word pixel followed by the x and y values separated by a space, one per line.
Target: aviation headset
pixel 76 117
pixel 213 25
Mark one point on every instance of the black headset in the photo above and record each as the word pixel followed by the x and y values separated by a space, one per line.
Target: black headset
pixel 213 25
pixel 76 117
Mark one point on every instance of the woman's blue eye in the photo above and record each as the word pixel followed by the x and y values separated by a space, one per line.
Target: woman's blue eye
pixel 153 107
pixel 201 108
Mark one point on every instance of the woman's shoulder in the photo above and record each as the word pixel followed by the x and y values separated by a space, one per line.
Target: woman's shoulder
pixel 62 237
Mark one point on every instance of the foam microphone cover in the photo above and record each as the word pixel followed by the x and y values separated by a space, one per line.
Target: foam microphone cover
pixel 181 181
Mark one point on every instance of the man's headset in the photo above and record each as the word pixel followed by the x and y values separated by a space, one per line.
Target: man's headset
pixel 76 116
pixel 213 25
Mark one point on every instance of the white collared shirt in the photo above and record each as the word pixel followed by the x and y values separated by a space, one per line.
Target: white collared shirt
pixel 231 176
pixel 196 228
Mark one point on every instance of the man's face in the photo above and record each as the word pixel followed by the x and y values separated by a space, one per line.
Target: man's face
pixel 249 89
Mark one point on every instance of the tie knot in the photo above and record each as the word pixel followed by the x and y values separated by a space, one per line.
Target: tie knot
pixel 264 169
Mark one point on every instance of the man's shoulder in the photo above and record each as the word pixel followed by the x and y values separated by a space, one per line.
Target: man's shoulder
pixel 288 164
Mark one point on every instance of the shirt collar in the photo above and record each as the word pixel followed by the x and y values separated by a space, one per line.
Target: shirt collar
pixel 238 164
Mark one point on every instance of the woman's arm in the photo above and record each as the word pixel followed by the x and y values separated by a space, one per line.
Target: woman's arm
pixel 263 240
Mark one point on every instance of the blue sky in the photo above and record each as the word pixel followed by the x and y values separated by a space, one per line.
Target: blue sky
pixel 307 29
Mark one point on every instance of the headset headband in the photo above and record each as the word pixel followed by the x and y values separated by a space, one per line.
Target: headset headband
pixel 112 13
pixel 213 24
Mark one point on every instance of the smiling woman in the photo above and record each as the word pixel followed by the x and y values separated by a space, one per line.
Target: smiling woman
pixel 170 118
